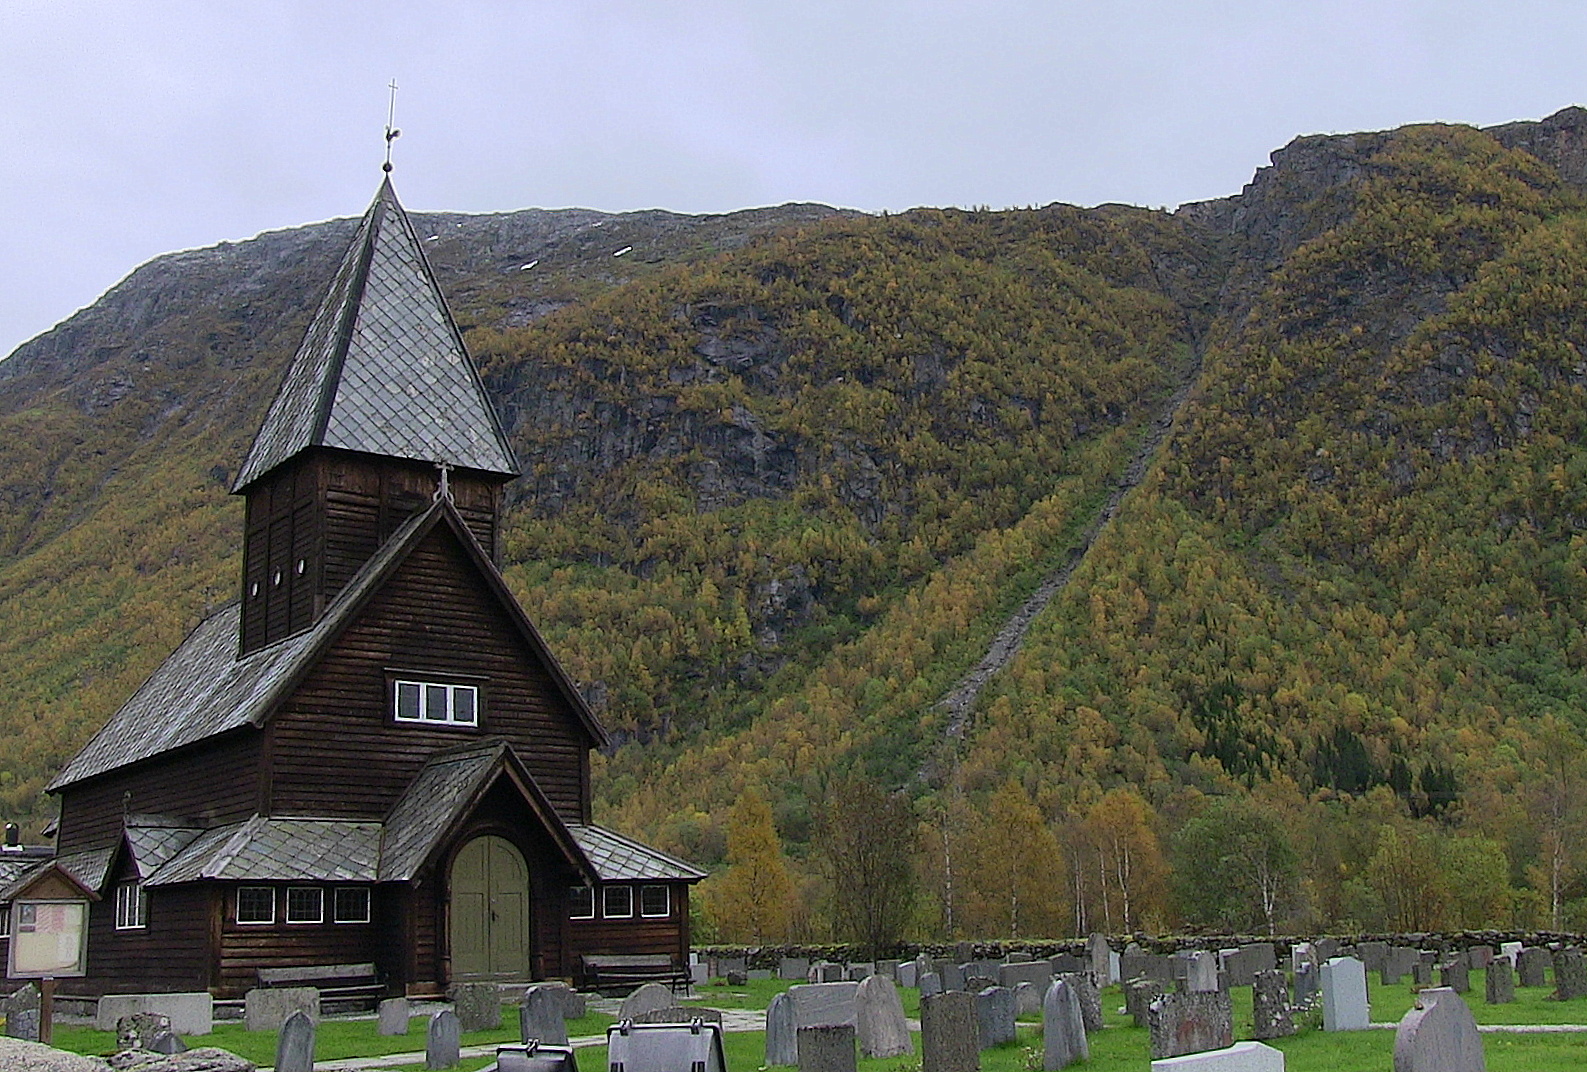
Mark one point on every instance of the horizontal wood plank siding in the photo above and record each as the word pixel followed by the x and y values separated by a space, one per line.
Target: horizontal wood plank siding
pixel 245 948
pixel 171 953
pixel 639 935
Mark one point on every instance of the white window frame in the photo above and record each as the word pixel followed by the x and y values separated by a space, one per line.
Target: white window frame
pixel 132 907
pixel 574 893
pixel 606 903
pixel 666 902
pixel 437 703
pixel 319 900
pixel 237 906
pixel 339 916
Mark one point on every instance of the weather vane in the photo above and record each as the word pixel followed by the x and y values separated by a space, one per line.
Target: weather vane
pixel 392 133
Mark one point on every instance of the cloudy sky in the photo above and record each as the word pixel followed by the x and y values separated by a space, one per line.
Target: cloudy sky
pixel 129 128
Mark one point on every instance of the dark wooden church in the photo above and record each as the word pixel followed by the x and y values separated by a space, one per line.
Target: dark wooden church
pixel 372 756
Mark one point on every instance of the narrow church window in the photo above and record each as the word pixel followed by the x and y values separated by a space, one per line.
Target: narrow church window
pixel 581 902
pixel 436 703
pixel 131 907
pixel 5 921
pixel 655 901
pixel 617 902
pixel 256 904
pixel 352 904
pixel 305 904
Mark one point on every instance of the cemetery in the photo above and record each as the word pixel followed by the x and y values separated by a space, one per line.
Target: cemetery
pixel 1302 1006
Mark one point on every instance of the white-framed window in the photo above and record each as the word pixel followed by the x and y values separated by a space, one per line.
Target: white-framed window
pixel 351 904
pixel 132 907
pixel 655 902
pixel 435 703
pixel 617 902
pixel 256 905
pixel 305 904
pixel 581 902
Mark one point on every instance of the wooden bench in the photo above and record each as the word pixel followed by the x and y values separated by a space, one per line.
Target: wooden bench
pixel 611 971
pixel 342 985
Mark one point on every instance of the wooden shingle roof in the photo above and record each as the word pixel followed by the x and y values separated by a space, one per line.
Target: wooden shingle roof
pixel 382 368
pixel 622 859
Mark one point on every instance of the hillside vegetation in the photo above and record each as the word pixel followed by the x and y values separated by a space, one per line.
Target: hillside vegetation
pixel 788 474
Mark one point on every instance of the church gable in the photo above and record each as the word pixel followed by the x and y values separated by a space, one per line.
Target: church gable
pixel 438 655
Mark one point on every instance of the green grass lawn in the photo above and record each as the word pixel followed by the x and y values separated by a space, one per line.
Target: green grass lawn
pixel 1121 1047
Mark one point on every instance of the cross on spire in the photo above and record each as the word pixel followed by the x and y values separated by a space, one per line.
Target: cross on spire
pixel 443 490
pixel 392 133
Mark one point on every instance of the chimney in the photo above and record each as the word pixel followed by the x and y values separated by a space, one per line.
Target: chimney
pixel 13 837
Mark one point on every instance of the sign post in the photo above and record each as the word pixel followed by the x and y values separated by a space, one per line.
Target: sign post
pixel 49 939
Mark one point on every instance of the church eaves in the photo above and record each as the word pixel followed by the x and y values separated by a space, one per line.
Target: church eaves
pixel 382 368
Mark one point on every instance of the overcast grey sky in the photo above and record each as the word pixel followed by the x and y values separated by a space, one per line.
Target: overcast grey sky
pixel 129 128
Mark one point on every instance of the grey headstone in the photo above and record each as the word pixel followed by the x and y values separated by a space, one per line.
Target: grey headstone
pixel 1499 988
pixel 974 984
pixel 1018 956
pixel 1063 1031
pixel 827 972
pixel 732 966
pixel 759 974
pixel 1089 997
pixel 392 1016
pixel 782 1040
pixel 478 1005
pixel 1303 953
pixel 1190 1023
pixel 823 1003
pixel 1438 1035
pixel 827 1048
pixel 879 1019
pixel 267 1008
pixel 1027 998
pixel 1202 974
pixel 699 974
pixel 681 1014
pixel 1344 995
pixel 1372 954
pixel 1308 991
pixel 191 1012
pixel 1270 1011
pixel 793 968
pixel 995 1016
pixel 856 973
pixel 909 974
pixel 1260 956
pixel 734 977
pixel 1481 956
pixel 645 998
pixel 930 984
pixel 1533 966
pixel 952 976
pixel 23 1012
pixel 1038 972
pixel 1421 974
pixel 1511 950
pixel 1238 968
pixel 540 1016
pixel 1455 977
pixel 948 1033
pixel 1241 1057
pixel 1101 963
pixel 443 1041
pixel 135 1030
pixel 963 952
pixel 1570 975
pixel 1066 962
pixel 1327 949
pixel 888 968
pixel 295 1046
pixel 166 1042
pixel 1138 997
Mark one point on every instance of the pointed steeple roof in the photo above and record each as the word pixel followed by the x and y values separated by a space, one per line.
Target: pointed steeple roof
pixel 382 368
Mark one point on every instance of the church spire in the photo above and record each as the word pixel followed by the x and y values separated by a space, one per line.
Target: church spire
pixel 382 369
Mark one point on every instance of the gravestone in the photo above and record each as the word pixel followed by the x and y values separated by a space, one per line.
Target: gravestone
pixel 827 971
pixel 1270 1011
pixel 190 1013
pixel 1201 974
pixel 1241 1057
pixel 1344 995
pixel 952 976
pixel 540 1016
pixel 1038 972
pixel 1134 964
pixel 827 1048
pixel 1237 969
pixel 167 1042
pixel 680 1014
pixel 1533 966
pixel 1326 949
pixel 392 1016
pixel 823 1003
pixel 1481 956
pixel 1027 998
pixel 974 984
pixel 858 973
pixel 948 1033
pixel 1421 974
pixel 1455 977
pixel 930 984
pixel 295 1046
pixel 995 1016
pixel 267 1008
pixel 1066 962
pixel 908 974
pixel 1089 996
pixel 793 968
pixel 727 966
pixel 1307 989
pixel 1063 1032
pixel 1302 953
pixel 1438 1035
pixel 964 951
pixel 1511 950
pixel 1260 956
pixel 478 1006
pixel 136 1030
pixel 1190 1023
pixel 1570 975
pixel 782 1038
pixel 1139 995
pixel 879 1021
pixel 1373 955
pixel 1500 982
pixel 443 1041
pixel 1100 962
pixel 646 998
pixel 1018 956
pixel 23 1013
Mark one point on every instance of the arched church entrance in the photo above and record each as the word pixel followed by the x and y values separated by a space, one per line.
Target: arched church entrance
pixel 489 927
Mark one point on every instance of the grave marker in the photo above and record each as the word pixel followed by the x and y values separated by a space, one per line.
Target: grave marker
pixel 1190 1023
pixel 1344 995
pixel 1438 1035
pixel 392 1016
pixel 443 1041
pixel 295 1046
pixel 1089 996
pixel 1241 1057
pixel 782 1038
pixel 1063 1032
pixel 879 1020
pixel 1270 1011
pixel 948 1033
pixel 1500 982
pixel 540 1016
pixel 478 1006
pixel 1570 975
pixel 1533 966
pixel 995 1015
pixel 827 1048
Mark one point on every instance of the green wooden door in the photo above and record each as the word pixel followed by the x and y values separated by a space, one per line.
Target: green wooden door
pixel 490 911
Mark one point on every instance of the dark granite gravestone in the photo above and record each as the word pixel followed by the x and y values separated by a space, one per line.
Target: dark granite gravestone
pixel 1480 956
pixel 1089 997
pixel 1190 1023
pixel 540 1016
pixel 995 1016
pixel 1455 976
pixel 1099 956
pixel 443 1041
pixel 1421 974
pixel 827 1048
pixel 952 976
pixel 1139 995
pixel 930 984
pixel 1438 1035
pixel 1373 955
pixel 1533 967
pixel 1570 975
pixel 295 1045
pixel 1027 998
pixel 1308 991
pixel 1063 1031
pixel 1066 962
pixel 478 1006
pixel 1026 971
pixel 782 1039
pixel 948 1033
pixel 1270 1011
pixel 1499 988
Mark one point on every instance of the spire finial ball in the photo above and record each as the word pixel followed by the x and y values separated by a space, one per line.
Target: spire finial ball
pixel 386 167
